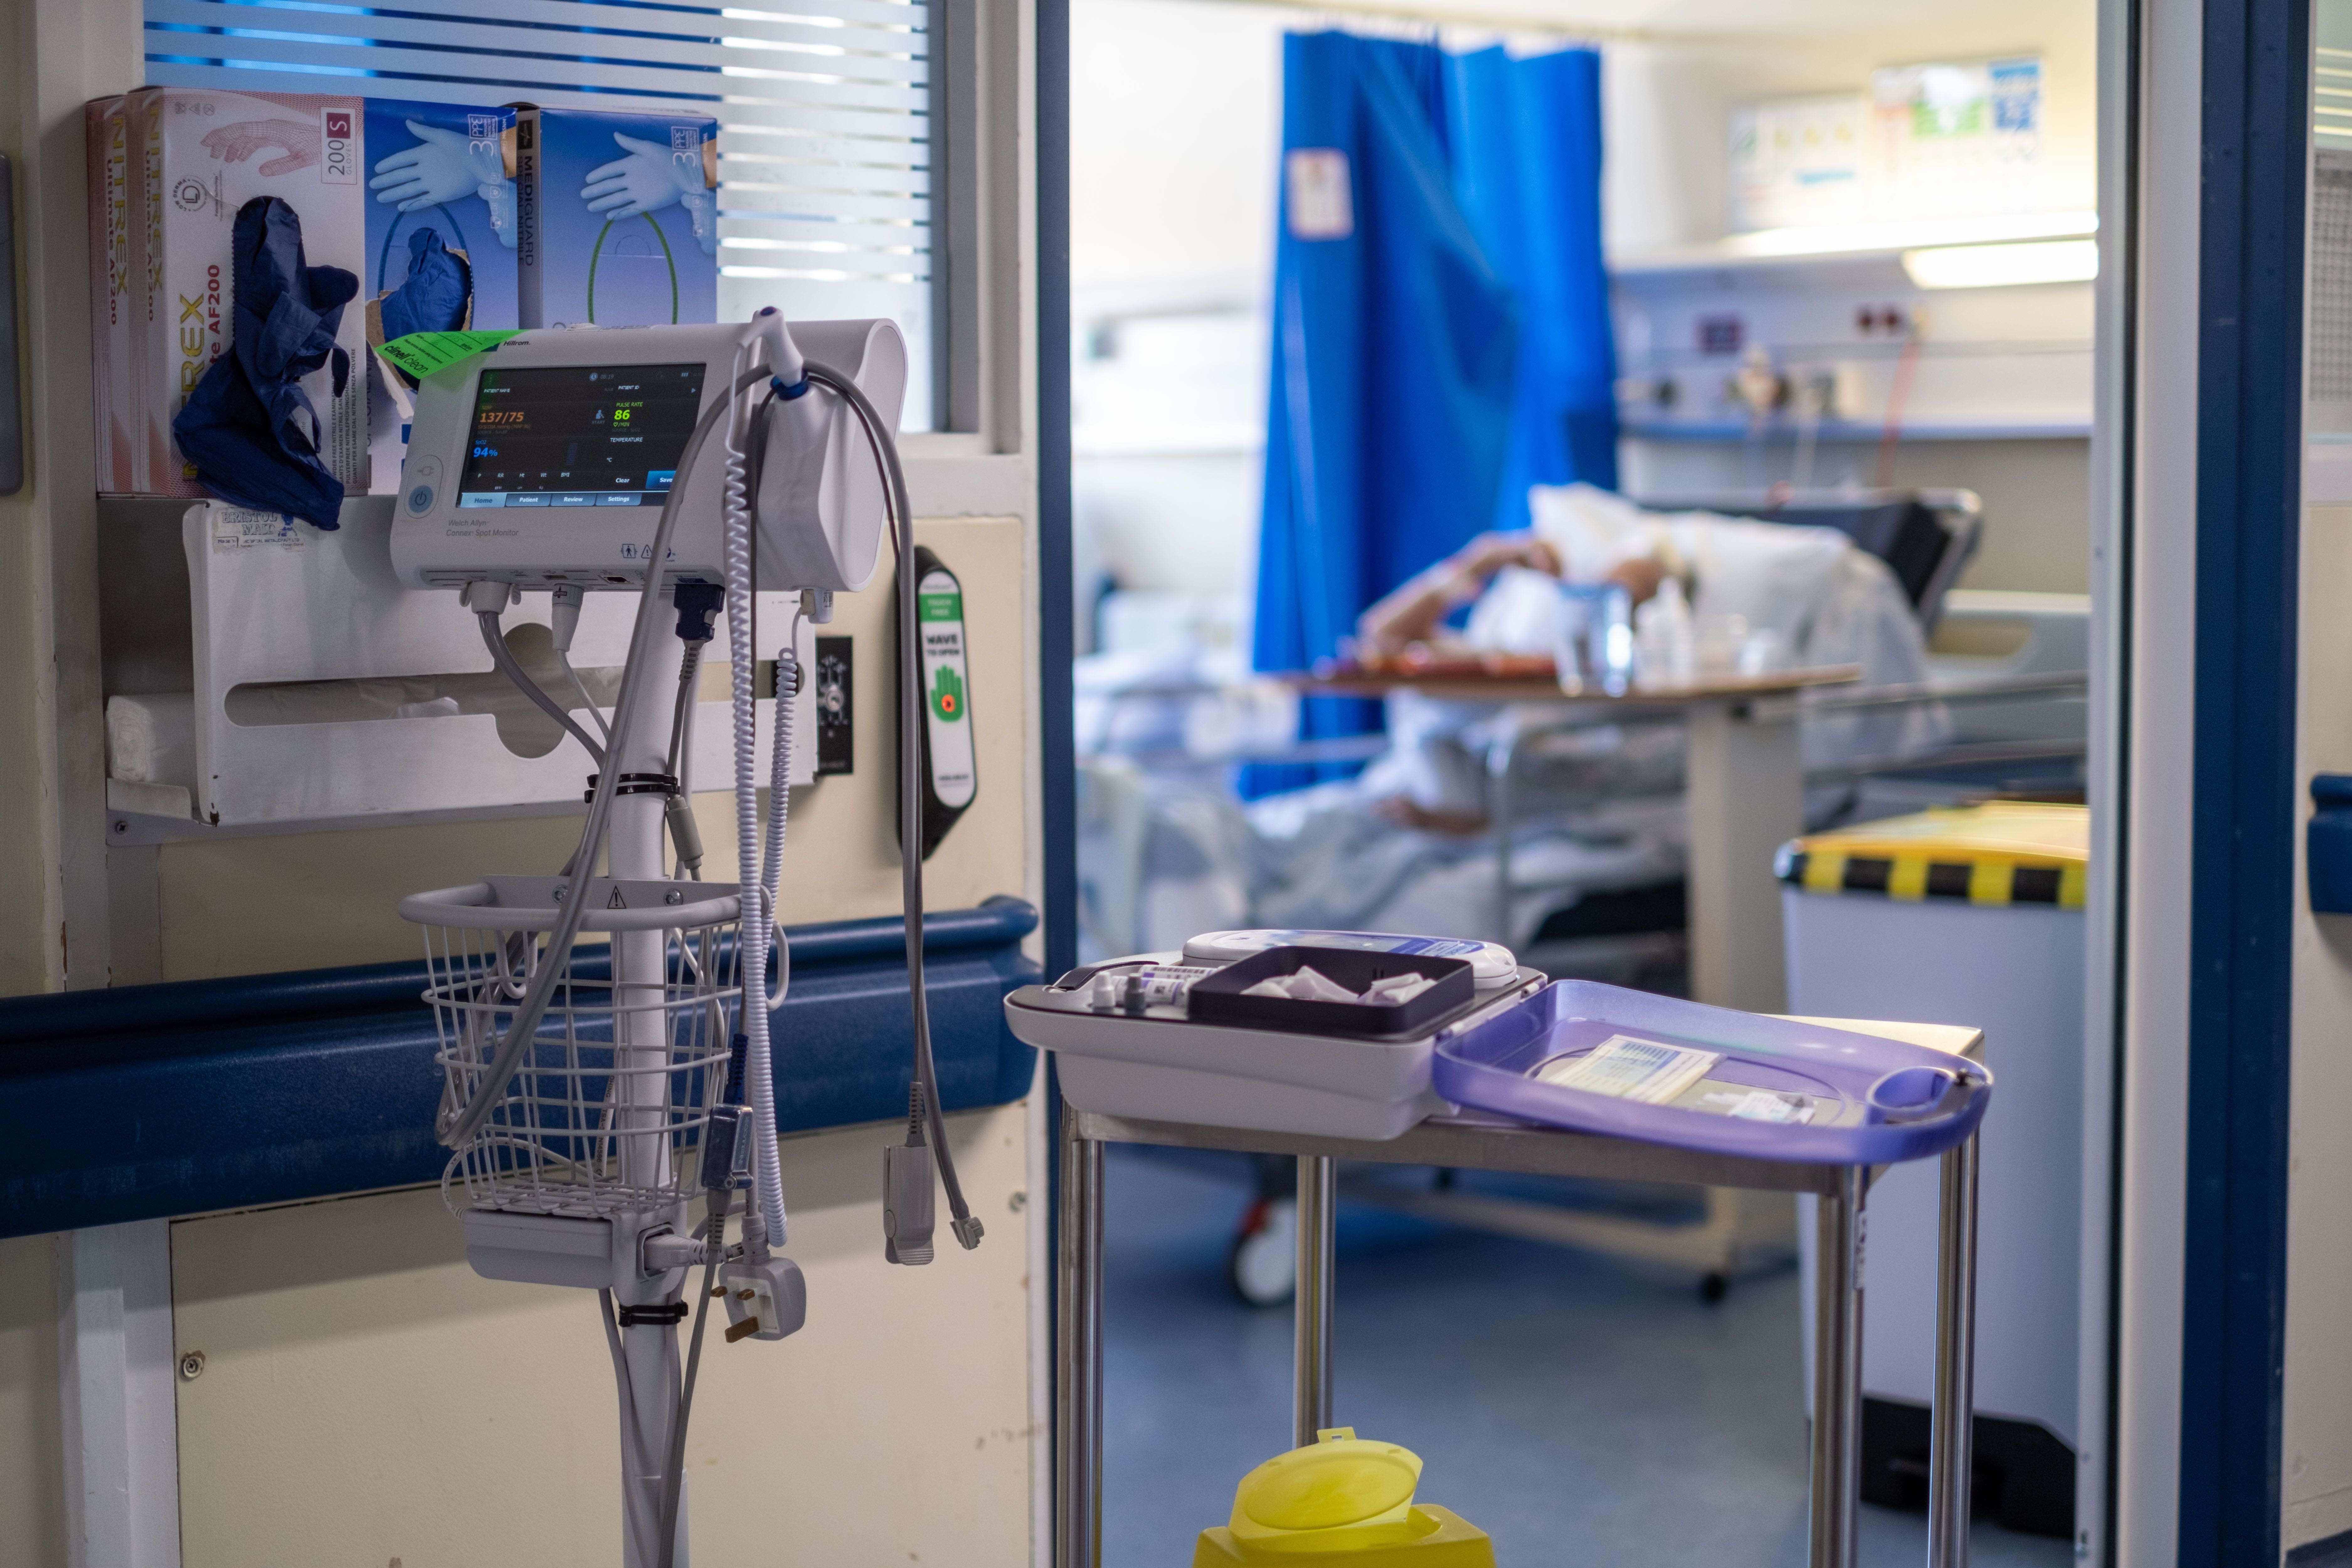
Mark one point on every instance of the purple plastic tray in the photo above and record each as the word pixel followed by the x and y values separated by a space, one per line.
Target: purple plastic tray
pixel 1869 1101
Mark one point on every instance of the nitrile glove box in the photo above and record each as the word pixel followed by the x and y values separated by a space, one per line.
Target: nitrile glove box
pixel 219 150
pixel 115 261
pixel 364 176
pixel 448 168
pixel 619 218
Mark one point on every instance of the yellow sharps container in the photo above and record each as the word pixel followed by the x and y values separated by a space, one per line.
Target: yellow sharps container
pixel 1342 1497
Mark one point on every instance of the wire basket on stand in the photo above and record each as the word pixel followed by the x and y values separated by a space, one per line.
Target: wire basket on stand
pixel 605 1109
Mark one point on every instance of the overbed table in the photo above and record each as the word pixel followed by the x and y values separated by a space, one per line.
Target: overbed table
pixel 1744 787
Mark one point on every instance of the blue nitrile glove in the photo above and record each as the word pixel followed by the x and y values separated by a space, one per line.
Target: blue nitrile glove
pixel 432 297
pixel 444 166
pixel 650 178
pixel 248 426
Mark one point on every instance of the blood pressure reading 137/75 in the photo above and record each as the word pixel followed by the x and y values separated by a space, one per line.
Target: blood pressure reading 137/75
pixel 579 435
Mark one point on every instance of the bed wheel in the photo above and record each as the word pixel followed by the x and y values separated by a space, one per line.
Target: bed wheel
pixel 1262 1265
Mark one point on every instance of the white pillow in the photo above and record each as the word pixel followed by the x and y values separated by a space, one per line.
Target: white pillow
pixel 1771 574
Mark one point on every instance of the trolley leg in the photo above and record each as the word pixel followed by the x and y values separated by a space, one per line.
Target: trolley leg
pixel 1837 1375
pixel 1952 1455
pixel 1501 763
pixel 1079 1384
pixel 1318 1198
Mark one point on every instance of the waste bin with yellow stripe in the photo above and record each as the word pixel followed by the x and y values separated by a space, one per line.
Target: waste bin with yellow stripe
pixel 1973 916
pixel 2003 852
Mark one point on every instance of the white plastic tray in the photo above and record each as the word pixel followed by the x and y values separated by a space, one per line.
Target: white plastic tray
pixel 1159 1066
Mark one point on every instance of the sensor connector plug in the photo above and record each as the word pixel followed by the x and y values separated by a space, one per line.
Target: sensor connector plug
pixel 698 609
pixel 908 1215
pixel 564 615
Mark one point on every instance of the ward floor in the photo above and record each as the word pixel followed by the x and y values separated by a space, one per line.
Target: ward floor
pixel 1578 1409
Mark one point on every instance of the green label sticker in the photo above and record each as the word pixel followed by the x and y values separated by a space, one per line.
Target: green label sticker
pixel 939 606
pixel 422 353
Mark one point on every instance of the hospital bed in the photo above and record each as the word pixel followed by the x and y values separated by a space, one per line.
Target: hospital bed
pixel 1177 715
pixel 2017 726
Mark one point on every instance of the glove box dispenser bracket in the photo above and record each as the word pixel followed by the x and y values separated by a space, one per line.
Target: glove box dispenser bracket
pixel 263 674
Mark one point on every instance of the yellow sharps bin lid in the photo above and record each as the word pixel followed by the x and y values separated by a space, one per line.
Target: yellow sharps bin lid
pixel 2002 852
pixel 1340 1498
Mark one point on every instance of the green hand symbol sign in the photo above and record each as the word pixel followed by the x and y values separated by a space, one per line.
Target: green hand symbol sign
pixel 947 696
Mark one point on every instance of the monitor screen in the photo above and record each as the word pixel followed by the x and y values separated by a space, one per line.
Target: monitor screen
pixel 580 436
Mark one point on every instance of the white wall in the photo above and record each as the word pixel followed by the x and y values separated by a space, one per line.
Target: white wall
pixel 1176 107
pixel 1667 101
pixel 32 1479
pixel 366 1397
pixel 1176 116
pixel 1664 189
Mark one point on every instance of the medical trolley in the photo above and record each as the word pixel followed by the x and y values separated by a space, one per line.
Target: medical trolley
pixel 1878 1092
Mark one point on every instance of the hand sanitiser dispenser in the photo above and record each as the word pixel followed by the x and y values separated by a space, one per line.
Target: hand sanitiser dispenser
pixel 604 1030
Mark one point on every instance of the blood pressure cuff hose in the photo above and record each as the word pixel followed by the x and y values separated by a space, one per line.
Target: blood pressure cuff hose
pixel 248 426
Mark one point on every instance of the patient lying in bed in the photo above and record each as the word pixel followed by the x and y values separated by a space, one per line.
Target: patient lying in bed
pixel 1761 595
pixel 1404 845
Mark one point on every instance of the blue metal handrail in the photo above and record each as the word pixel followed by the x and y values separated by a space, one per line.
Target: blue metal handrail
pixel 197 1096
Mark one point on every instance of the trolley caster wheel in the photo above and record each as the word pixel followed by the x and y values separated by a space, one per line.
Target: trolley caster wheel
pixel 1714 1288
pixel 1262 1265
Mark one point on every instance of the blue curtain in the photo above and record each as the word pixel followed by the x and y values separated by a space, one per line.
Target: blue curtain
pixel 1527 169
pixel 1441 339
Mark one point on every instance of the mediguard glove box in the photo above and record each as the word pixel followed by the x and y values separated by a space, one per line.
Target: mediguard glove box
pixel 620 218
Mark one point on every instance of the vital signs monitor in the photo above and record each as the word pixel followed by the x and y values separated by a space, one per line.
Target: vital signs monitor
pixel 547 460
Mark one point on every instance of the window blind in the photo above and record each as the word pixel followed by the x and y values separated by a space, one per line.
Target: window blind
pixel 2331 109
pixel 824 197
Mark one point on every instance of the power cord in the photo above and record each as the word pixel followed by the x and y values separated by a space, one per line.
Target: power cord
pixel 633 1455
pixel 674 1476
